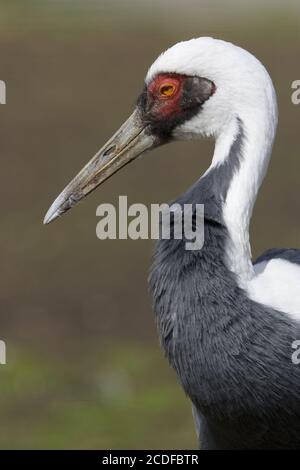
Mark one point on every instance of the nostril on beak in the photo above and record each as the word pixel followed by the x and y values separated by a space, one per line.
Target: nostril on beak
pixel 109 151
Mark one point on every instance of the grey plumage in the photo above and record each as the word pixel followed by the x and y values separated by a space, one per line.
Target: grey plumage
pixel 231 354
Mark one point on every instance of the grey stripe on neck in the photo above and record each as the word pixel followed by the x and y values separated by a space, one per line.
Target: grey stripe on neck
pixel 211 189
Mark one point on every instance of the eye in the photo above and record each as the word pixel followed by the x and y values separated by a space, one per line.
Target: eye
pixel 167 89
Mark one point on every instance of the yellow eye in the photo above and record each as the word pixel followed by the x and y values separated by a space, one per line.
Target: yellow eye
pixel 167 89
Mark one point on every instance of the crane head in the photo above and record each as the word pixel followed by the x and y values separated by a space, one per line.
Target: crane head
pixel 193 89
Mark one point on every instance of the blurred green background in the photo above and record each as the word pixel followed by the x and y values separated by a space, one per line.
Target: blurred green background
pixel 84 367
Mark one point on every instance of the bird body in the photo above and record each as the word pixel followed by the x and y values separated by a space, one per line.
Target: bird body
pixel 232 355
pixel 226 324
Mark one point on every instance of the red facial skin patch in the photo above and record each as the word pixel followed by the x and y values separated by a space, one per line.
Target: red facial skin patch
pixel 166 91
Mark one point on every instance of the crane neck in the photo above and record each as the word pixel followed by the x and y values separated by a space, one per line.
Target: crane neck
pixel 241 156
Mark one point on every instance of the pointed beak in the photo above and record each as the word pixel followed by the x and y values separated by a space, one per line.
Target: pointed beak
pixel 130 141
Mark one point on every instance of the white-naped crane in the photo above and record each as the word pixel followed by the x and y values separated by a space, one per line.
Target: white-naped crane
pixel 227 324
